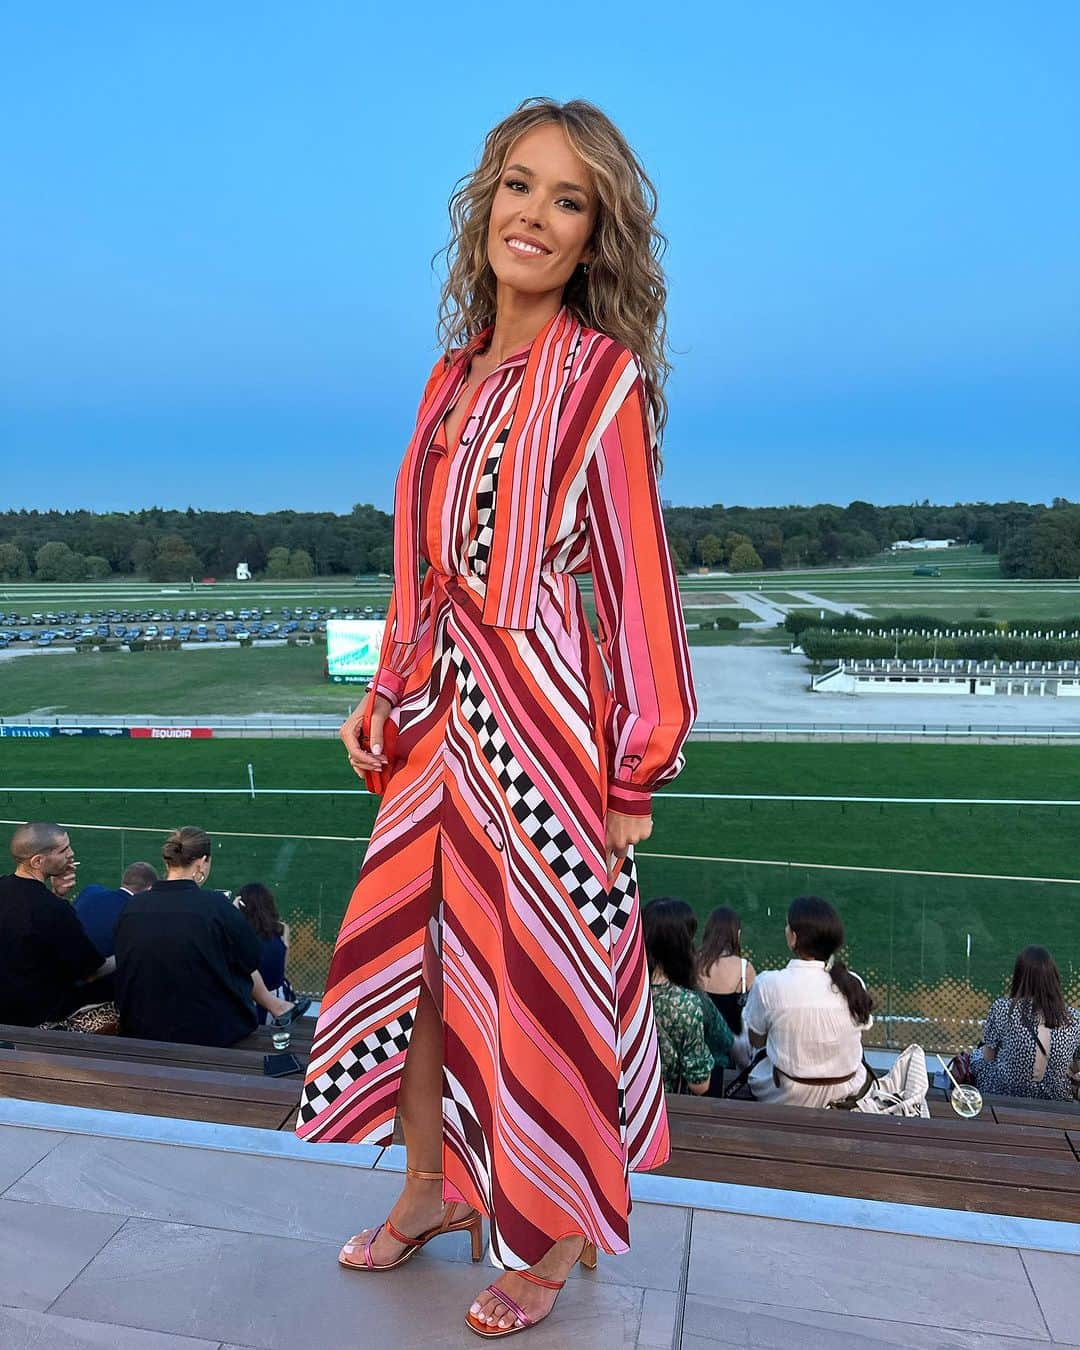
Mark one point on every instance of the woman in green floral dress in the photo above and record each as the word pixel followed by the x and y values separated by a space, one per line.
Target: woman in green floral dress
pixel 694 1039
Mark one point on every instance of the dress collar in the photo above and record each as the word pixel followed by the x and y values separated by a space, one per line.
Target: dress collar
pixel 798 961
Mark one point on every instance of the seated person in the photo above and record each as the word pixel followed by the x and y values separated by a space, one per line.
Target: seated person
pixel 185 957
pixel 806 1021
pixel 45 956
pixel 257 904
pixel 694 1039
pixel 723 972
pixel 1032 1037
pixel 99 908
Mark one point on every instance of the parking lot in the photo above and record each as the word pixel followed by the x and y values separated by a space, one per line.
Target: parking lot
pixel 203 625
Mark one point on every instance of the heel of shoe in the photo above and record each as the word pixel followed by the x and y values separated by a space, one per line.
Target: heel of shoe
pixel 476 1232
pixel 588 1256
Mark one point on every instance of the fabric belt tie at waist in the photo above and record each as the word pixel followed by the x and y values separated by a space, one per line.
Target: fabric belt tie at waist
pixel 778 1073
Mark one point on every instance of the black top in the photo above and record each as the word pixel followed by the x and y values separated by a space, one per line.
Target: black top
pixel 184 959
pixel 43 953
pixel 730 1007
pixel 99 909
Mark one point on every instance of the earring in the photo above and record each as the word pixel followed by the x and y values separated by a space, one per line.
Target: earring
pixel 585 269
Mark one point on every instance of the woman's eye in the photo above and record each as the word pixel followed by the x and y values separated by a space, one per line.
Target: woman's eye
pixel 515 183
pixel 569 201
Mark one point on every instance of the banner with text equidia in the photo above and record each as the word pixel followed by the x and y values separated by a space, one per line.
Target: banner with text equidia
pixel 172 733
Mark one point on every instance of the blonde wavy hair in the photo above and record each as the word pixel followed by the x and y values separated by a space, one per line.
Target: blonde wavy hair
pixel 624 292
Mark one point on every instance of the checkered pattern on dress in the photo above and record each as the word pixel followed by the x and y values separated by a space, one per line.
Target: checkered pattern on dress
pixel 372 1051
pixel 601 911
pixel 479 550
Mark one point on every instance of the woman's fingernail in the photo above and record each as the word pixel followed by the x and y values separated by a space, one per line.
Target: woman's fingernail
pixel 376 749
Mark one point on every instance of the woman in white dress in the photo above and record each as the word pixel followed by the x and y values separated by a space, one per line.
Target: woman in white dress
pixel 805 1022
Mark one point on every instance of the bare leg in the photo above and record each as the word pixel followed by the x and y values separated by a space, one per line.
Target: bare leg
pixel 420 1205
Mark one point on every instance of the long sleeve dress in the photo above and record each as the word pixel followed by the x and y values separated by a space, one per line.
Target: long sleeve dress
pixel 486 873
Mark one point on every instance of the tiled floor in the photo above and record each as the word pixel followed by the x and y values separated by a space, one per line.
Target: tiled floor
pixel 122 1244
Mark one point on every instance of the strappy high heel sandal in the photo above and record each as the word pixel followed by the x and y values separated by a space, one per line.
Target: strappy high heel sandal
pixel 588 1261
pixel 472 1222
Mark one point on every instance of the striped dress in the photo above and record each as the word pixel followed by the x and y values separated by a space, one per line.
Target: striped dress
pixel 486 872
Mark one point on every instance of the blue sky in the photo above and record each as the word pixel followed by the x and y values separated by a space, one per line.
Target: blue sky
pixel 217 221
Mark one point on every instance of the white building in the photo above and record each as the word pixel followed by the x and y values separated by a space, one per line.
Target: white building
pixel 1041 679
pixel 905 545
pixel 243 572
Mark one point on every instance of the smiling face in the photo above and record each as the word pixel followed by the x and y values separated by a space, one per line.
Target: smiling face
pixel 542 215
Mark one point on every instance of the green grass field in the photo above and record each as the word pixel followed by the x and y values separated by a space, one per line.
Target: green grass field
pixel 185 684
pixel 908 934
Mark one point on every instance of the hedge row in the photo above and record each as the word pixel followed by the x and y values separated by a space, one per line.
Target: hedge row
pixel 821 646
pixel 798 621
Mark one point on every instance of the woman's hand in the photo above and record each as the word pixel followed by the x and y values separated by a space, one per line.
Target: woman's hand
pixel 622 831
pixel 362 758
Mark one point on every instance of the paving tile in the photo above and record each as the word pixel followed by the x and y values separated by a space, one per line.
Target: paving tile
pixel 21 1329
pixel 658 1238
pixel 1055 1278
pixel 20 1149
pixel 713 1323
pixel 210 1188
pixel 659 1320
pixel 278 1293
pixel 44 1248
pixel 923 1281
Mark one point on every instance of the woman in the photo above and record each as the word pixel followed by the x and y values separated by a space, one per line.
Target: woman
pixel 723 972
pixel 807 1020
pixel 186 962
pixel 496 910
pixel 1032 1037
pixel 272 989
pixel 694 1039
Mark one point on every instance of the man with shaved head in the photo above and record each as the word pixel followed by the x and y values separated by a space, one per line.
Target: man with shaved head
pixel 44 951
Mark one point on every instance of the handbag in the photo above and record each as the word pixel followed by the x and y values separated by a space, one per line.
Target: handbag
pixel 960 1068
pixel 377 780
pixel 93 1019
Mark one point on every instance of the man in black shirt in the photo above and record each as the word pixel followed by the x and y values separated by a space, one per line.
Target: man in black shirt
pixel 44 951
pixel 185 955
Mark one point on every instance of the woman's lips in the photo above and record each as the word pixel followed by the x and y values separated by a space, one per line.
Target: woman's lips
pixel 526 248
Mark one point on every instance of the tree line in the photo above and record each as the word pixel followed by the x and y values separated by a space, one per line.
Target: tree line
pixel 1033 540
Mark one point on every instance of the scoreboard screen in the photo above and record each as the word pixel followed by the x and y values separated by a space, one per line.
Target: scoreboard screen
pixel 352 649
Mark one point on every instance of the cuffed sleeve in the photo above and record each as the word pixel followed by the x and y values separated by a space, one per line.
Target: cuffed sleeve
pixel 651 703
pixel 396 660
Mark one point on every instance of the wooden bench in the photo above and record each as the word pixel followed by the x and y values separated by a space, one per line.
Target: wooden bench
pixel 158 1078
pixel 185 1093
pixel 1018 1157
pixel 1012 1160
pixel 245 1057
